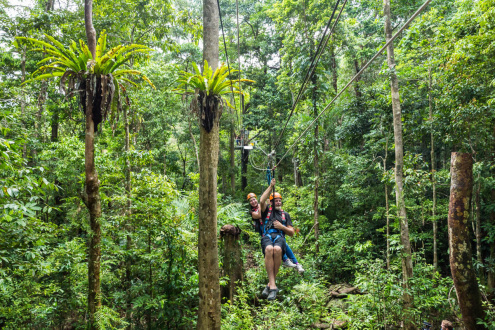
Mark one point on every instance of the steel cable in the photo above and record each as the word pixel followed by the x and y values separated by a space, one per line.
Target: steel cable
pixel 357 76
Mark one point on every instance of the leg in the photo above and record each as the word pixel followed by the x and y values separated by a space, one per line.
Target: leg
pixel 277 261
pixel 269 265
pixel 289 254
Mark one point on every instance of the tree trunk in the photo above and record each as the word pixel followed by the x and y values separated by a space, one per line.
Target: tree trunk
pixel 55 125
pixel 150 287
pixel 23 101
pixel 478 229
pixel 491 272
pixel 387 206
pixel 316 169
pixel 232 158
pixel 407 266
pixel 128 212
pixel 461 264
pixel 209 276
pixel 88 23
pixel 232 259
pixel 92 193
pixel 433 170
pixel 334 67
pixel 93 203
pixel 297 174
pixel 244 163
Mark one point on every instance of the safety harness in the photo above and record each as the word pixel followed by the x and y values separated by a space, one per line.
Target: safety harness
pixel 256 222
pixel 268 226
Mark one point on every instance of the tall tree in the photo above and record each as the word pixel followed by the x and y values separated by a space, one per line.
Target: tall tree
pixel 92 184
pixel 209 280
pixel 433 170
pixel 407 266
pixel 461 263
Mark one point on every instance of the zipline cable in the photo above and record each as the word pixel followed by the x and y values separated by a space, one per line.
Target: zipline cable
pixel 227 57
pixel 357 75
pixel 321 46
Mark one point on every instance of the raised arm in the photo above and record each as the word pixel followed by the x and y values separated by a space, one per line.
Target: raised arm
pixel 265 195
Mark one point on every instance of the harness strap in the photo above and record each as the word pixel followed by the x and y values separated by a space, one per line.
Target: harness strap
pixel 272 230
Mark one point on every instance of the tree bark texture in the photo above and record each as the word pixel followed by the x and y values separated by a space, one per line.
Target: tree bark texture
pixel 407 266
pixel 232 259
pixel 316 169
pixel 209 275
pixel 93 203
pixel 461 264
pixel 88 23
pixel 478 229
pixel 433 170
pixel 211 25
pixel 209 285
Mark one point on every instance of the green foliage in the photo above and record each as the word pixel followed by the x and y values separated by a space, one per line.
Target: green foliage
pixel 76 61
pixel 212 83
pixel 381 305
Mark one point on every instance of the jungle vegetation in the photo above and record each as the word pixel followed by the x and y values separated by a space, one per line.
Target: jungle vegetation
pixel 121 158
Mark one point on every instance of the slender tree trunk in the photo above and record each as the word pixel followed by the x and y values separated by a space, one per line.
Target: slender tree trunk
pixel 209 275
pixel 232 158
pixel 316 169
pixel 461 264
pixel 407 266
pixel 433 170
pixel 93 203
pixel 55 125
pixel 150 272
pixel 491 272
pixel 387 206
pixel 244 163
pixel 334 67
pixel 92 193
pixel 128 213
pixel 23 100
pixel 232 259
pixel 478 228
pixel 88 23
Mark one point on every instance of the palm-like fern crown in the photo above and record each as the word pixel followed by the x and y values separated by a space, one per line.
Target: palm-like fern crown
pixel 209 82
pixel 78 61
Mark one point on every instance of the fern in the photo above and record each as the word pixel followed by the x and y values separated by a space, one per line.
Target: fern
pixel 209 82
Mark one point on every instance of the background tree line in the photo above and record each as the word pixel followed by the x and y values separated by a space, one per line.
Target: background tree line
pixel 338 183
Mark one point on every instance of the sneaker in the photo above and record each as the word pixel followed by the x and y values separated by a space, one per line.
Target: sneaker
pixel 265 292
pixel 299 268
pixel 273 294
pixel 289 264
